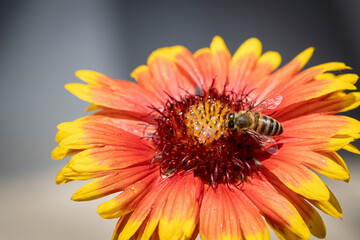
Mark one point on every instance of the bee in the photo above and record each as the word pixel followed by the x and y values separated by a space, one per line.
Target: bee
pixel 259 126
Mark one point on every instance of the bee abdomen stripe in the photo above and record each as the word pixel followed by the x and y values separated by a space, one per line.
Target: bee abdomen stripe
pixel 276 128
pixel 263 123
pixel 281 130
pixel 270 126
pixel 256 122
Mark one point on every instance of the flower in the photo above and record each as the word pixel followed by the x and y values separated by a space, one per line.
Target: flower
pixel 164 144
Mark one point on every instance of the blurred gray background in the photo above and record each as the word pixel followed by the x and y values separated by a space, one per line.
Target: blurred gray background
pixel 43 43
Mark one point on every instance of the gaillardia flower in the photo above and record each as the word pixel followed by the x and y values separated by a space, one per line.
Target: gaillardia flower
pixel 166 147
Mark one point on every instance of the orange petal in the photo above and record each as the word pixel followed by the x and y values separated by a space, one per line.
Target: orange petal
pixel 280 214
pixel 222 216
pixel 186 62
pixel 112 182
pixel 218 220
pixel 204 61
pixel 129 199
pixel 221 61
pixel 298 178
pixel 339 103
pixel 213 63
pixel 90 134
pixel 107 92
pixel 134 126
pixel 110 158
pixel 330 207
pixel 257 78
pixel 180 214
pixel 120 226
pixel 279 78
pixel 243 63
pixel 172 207
pixel 320 126
pixel 328 164
pixel 166 77
pixel 313 89
pixel 318 144
pixel 311 217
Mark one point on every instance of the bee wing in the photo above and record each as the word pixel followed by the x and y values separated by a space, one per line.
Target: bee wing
pixel 266 142
pixel 268 103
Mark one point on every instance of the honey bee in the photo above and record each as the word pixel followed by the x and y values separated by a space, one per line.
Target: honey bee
pixel 260 127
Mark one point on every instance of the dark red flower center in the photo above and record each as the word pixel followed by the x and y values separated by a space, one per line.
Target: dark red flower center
pixel 191 136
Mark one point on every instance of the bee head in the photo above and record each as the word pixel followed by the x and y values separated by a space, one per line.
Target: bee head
pixel 230 121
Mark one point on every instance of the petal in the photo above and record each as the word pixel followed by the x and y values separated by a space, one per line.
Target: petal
pixel 143 209
pixel 107 92
pixel 204 61
pixel 218 220
pixel 298 178
pixel 186 62
pixel 318 144
pixel 257 78
pixel 313 89
pixel 180 214
pixel 120 226
pixel 68 174
pixel 280 214
pixel 280 78
pixel 307 84
pixel 341 102
pixel 222 216
pixel 166 77
pixel 221 61
pixel 172 207
pixel 110 158
pixel 351 148
pixel 60 153
pixel 243 63
pixel 328 164
pixel 85 135
pixel 128 200
pixel 113 182
pixel 321 126
pixel 143 76
pixel 137 127
pixel 330 207
pixel 213 63
pixel 311 217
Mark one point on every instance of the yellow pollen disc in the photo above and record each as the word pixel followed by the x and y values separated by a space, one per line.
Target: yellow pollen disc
pixel 205 120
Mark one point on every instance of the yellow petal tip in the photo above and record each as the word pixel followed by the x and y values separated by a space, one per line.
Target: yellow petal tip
pixel 218 45
pixel 134 74
pixel 305 56
pixel 89 76
pixel 274 58
pixel 165 53
pixel 251 46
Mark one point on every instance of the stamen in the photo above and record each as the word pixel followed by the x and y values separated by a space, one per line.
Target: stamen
pixel 191 137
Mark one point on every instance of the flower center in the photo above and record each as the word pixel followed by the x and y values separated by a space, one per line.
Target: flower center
pixel 191 136
pixel 205 118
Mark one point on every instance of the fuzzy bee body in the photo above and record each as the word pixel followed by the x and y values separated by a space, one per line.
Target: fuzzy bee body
pixel 257 122
pixel 265 125
pixel 260 127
